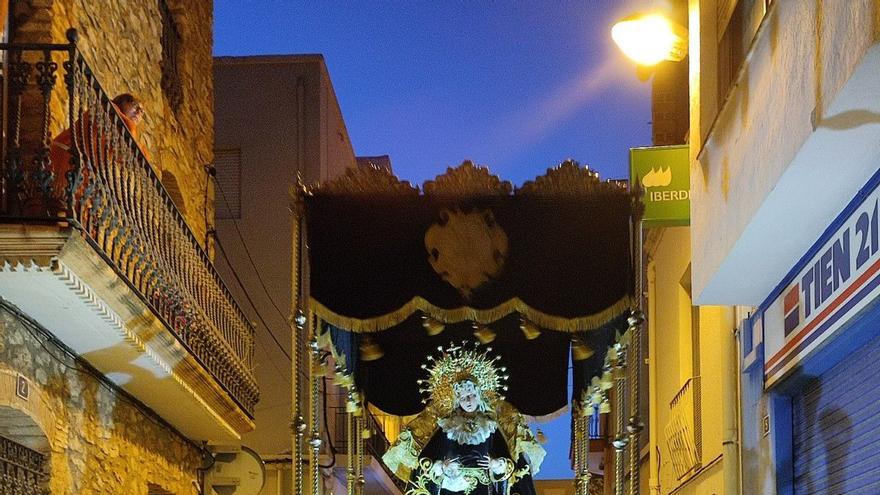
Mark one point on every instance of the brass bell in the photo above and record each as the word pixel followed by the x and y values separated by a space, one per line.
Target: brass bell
pixel 432 327
pixel 370 351
pixel 580 350
pixel 483 333
pixel 540 437
pixel 529 329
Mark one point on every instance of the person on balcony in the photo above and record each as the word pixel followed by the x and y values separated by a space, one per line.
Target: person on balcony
pixel 468 440
pixel 92 144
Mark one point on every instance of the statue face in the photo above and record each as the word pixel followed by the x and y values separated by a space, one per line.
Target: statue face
pixel 469 401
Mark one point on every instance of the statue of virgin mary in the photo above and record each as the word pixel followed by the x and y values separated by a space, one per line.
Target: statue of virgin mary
pixel 467 440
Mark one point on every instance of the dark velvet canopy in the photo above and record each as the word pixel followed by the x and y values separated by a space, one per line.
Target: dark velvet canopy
pixel 555 254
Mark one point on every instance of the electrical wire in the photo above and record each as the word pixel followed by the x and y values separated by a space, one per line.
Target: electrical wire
pixel 247 251
pixel 84 368
pixel 212 172
pixel 250 258
pixel 248 297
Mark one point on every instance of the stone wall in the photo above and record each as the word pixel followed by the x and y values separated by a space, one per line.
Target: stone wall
pixel 100 441
pixel 121 42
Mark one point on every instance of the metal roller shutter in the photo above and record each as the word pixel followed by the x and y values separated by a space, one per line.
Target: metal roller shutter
pixel 836 428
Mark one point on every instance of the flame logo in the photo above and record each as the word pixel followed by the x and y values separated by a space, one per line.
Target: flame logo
pixel 657 178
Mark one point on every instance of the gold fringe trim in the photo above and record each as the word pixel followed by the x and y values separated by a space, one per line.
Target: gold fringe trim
pixel 465 313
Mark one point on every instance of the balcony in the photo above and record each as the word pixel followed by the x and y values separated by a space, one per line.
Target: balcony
pixel 683 431
pixel 377 477
pixel 93 249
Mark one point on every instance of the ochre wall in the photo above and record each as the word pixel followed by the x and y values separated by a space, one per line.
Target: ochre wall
pixel 100 441
pixel 672 314
pixel 121 42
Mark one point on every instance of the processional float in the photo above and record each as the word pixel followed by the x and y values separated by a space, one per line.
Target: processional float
pixel 385 274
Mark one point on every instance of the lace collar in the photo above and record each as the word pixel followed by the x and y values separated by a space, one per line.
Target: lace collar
pixel 468 428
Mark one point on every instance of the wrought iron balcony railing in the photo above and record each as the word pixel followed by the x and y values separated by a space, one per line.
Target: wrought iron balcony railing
pixel 376 445
pixel 101 184
pixel 683 430
pixel 22 470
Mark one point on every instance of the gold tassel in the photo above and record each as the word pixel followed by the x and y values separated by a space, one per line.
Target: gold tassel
pixel 466 313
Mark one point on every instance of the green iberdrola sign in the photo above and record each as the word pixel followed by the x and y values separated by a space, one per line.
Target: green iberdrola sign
pixel 664 176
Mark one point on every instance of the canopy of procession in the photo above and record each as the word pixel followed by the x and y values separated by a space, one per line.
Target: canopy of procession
pixel 390 272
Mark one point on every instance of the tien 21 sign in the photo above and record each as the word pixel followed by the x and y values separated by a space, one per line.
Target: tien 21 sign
pixel 663 174
pixel 835 281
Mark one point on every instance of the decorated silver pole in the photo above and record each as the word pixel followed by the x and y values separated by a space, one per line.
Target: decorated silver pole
pixel 350 476
pixel 636 321
pixel 583 420
pixel 578 439
pixel 586 455
pixel 315 399
pixel 298 422
pixel 361 481
pixel 620 441
pixel 634 426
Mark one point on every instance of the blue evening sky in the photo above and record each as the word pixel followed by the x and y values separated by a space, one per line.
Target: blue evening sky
pixel 518 86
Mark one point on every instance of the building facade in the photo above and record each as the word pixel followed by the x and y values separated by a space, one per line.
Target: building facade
pixel 279 126
pixel 122 352
pixel 692 397
pixel 784 130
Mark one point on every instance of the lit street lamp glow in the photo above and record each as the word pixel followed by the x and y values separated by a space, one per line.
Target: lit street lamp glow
pixel 650 39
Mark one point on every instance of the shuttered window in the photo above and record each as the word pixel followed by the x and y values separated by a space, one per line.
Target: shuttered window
pixel 227 198
pixel 836 428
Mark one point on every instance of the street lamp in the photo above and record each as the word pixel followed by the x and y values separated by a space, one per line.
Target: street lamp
pixel 649 39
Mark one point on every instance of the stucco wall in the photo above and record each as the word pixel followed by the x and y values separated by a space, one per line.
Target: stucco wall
pixel 339 153
pixel 121 42
pixel 100 442
pixel 800 60
pixel 282 114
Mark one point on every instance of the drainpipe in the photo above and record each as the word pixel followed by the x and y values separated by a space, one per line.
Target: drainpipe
pixel 653 430
pixel 729 406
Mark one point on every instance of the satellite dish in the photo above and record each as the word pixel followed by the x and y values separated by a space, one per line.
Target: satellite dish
pixel 236 472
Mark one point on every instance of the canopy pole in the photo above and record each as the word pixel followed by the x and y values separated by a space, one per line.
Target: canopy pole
pixel 350 476
pixel 620 440
pixel 578 458
pixel 361 481
pixel 582 444
pixel 298 317
pixel 315 402
pixel 636 321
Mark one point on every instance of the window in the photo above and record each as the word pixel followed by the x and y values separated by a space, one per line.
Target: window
pixel 227 198
pixel 738 22
pixel 171 43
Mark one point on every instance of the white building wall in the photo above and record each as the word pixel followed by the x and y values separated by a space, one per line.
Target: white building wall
pixel 792 143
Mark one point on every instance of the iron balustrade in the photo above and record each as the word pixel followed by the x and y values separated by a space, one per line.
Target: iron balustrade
pixel 684 427
pixel 22 470
pixel 375 446
pixel 109 191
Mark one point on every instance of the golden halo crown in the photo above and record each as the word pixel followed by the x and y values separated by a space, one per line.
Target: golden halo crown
pixel 458 363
